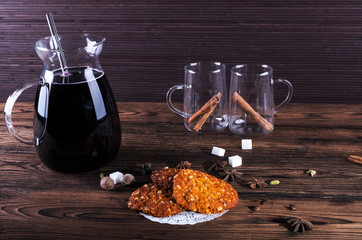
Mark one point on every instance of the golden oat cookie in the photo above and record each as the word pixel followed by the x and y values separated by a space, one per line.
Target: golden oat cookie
pixel 154 201
pixel 164 177
pixel 200 192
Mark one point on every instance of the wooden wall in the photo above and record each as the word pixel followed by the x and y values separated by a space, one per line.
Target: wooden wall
pixel 317 45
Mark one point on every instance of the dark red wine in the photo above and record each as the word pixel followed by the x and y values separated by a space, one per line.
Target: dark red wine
pixel 76 120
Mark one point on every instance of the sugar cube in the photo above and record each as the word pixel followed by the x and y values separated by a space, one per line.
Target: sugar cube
pixel 235 161
pixel 246 144
pixel 218 151
pixel 116 177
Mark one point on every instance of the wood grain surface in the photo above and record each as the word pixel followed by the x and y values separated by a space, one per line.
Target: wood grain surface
pixel 314 44
pixel 38 203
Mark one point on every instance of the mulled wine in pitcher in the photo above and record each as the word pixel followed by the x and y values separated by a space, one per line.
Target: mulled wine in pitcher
pixel 76 122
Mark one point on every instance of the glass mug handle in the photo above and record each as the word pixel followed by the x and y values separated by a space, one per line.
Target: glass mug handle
pixel 8 110
pixel 289 96
pixel 169 102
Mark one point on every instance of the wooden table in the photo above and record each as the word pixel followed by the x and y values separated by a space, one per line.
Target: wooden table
pixel 38 203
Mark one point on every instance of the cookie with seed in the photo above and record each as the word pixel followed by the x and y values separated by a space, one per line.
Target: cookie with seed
pixel 200 192
pixel 164 177
pixel 154 201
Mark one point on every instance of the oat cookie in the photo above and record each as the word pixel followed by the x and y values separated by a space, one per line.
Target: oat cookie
pixel 164 177
pixel 200 192
pixel 154 201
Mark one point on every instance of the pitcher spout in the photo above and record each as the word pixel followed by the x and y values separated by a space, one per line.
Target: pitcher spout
pixel 81 50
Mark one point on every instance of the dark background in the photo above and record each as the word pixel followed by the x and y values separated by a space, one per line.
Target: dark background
pixel 314 44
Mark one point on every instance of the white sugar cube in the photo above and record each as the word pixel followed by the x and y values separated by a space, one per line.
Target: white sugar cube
pixel 235 161
pixel 218 151
pixel 246 144
pixel 116 177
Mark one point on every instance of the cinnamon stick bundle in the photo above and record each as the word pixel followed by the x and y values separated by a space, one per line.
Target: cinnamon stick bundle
pixel 244 106
pixel 205 111
pixel 200 123
pixel 206 108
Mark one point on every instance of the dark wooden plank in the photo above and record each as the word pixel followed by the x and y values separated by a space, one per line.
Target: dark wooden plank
pixel 314 44
pixel 37 203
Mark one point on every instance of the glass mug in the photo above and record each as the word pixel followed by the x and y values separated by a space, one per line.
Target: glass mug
pixel 76 123
pixel 251 99
pixel 205 99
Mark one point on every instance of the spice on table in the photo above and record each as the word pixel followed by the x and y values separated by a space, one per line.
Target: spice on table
pixel 257 183
pixel 184 165
pixel 107 183
pixel 217 167
pixel 143 169
pixel 311 172
pixel 254 208
pixel 128 179
pixel 355 159
pixel 274 182
pixel 299 225
pixel 292 207
pixel 231 175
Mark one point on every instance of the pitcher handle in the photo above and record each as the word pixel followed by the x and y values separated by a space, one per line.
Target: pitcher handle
pixel 8 110
pixel 289 96
pixel 169 102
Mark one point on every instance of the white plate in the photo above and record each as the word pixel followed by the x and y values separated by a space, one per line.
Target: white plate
pixel 185 218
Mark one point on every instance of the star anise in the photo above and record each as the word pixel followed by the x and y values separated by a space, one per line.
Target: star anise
pixel 257 183
pixel 184 165
pixel 217 167
pixel 299 225
pixel 143 169
pixel 231 175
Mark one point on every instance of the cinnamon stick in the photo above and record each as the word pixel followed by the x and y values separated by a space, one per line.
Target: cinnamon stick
pixel 201 122
pixel 355 159
pixel 206 108
pixel 244 106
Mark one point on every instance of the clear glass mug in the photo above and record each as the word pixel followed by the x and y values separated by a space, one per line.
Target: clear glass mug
pixel 251 99
pixel 205 99
pixel 76 124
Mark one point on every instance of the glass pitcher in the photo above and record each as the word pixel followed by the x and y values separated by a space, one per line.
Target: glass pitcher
pixel 76 122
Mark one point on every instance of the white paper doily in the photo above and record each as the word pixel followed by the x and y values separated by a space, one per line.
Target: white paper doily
pixel 185 218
